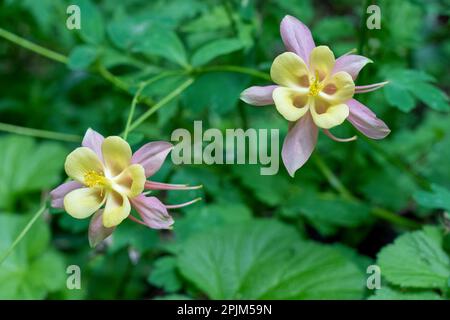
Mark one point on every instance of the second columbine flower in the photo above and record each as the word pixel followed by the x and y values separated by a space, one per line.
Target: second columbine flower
pixel 314 90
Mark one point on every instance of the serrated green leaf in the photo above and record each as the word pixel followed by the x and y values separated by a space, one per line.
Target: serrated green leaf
pixel 19 175
pixel 416 260
pixel 201 219
pixel 387 293
pixel 33 269
pixel 265 259
pixel 164 275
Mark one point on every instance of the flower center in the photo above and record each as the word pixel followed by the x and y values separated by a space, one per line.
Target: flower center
pixel 315 87
pixel 93 178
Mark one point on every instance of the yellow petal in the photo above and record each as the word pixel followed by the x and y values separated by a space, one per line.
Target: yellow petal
pixel 81 161
pixel 326 116
pixel 116 154
pixel 289 103
pixel 321 61
pixel 83 202
pixel 339 88
pixel 131 181
pixel 117 208
pixel 290 70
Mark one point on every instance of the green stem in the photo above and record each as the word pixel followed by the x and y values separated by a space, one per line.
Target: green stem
pixel 161 103
pixel 236 69
pixel 381 213
pixel 132 109
pixel 39 133
pixel 23 232
pixel 32 46
pixel 395 218
pixel 333 180
pixel 113 79
pixel 138 93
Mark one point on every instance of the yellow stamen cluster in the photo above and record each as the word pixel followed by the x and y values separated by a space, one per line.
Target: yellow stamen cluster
pixel 315 87
pixel 93 178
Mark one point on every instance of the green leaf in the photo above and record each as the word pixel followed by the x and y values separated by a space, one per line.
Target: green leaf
pixel 431 96
pixel 133 235
pixel 81 57
pixel 33 269
pixel 200 219
pixel 329 209
pixel 164 275
pixel 438 198
pixel 218 92
pixel 214 19
pixel 399 97
pixel 302 10
pixel 92 25
pixel 416 260
pixel 26 167
pixel 215 49
pixel 387 293
pixel 266 260
pixel 262 186
pixel 406 84
pixel 163 43
pixel 333 28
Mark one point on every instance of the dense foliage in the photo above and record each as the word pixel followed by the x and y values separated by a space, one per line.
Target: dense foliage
pixel 252 237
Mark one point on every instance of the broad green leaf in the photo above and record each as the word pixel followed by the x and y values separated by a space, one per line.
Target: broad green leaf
pixel 215 49
pixel 386 293
pixel 438 198
pixel 33 269
pixel 164 275
pixel 329 209
pixel 27 167
pixel 82 57
pixel 92 25
pixel 263 186
pixel 202 218
pixel 266 260
pixel 416 260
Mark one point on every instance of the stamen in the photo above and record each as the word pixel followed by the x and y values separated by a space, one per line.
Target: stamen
pixel 93 178
pixel 315 87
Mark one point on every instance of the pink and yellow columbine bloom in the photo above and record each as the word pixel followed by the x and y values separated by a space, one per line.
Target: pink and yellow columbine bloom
pixel 314 90
pixel 108 180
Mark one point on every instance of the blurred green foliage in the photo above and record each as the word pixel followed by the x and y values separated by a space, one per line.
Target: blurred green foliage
pixel 252 236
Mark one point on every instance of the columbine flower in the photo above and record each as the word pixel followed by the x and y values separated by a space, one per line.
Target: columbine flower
pixel 313 90
pixel 107 175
